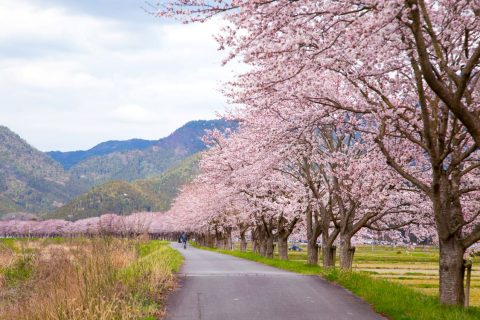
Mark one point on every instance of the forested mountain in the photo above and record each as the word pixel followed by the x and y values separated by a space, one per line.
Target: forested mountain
pixel 117 196
pixel 122 197
pixel 29 179
pixel 71 158
pixel 137 164
pixel 167 186
pixel 33 181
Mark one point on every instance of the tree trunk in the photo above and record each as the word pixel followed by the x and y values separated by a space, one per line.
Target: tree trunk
pixel 219 241
pixel 328 249
pixel 346 252
pixel 228 239
pixel 270 246
pixel 285 229
pixel 283 247
pixel 313 232
pixel 263 247
pixel 448 214
pixel 262 240
pixel 328 255
pixel 255 246
pixel 228 243
pixel 255 243
pixel 268 236
pixel 312 252
pixel 211 240
pixel 243 242
pixel 451 272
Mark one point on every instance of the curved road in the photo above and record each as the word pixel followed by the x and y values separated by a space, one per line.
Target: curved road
pixel 215 286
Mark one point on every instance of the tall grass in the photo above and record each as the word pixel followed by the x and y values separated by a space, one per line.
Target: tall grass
pixel 87 279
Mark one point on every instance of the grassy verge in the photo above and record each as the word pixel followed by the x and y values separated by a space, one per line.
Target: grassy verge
pixel 395 301
pixel 151 276
pixel 85 278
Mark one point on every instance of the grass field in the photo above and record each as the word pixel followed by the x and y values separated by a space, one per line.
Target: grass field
pixel 416 268
pixel 97 279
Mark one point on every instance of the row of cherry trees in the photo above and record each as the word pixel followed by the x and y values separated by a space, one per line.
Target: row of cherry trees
pixel 154 224
pixel 356 116
pixel 323 180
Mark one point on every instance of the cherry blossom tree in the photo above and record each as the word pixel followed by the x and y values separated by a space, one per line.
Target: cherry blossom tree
pixel 410 67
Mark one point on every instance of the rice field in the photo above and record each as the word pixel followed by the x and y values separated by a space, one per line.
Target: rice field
pixel 417 268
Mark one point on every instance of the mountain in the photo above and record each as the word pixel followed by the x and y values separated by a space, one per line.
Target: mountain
pixel 29 179
pixel 150 172
pixel 137 164
pixel 122 197
pixel 71 158
pixel 167 186
pixel 116 196
pixel 22 216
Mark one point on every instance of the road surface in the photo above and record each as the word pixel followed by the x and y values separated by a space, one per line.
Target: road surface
pixel 215 286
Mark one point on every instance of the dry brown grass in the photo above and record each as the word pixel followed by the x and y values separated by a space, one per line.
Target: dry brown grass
pixel 7 258
pixel 83 279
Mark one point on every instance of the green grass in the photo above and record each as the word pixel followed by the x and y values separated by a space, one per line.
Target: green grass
pixel 147 248
pixel 19 272
pixel 415 274
pixel 9 243
pixel 156 251
pixel 156 261
pixel 394 300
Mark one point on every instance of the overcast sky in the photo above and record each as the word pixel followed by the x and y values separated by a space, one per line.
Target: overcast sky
pixel 74 73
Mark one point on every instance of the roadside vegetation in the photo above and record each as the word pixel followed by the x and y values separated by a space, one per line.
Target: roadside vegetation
pixel 101 278
pixel 397 282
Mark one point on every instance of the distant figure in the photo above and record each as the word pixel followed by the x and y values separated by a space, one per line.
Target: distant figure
pixel 184 239
pixel 295 247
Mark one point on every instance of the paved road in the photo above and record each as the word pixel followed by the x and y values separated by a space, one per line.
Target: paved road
pixel 214 286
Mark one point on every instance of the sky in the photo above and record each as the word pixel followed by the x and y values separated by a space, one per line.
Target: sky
pixel 74 73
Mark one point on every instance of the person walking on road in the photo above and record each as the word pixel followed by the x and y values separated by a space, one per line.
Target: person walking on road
pixel 184 239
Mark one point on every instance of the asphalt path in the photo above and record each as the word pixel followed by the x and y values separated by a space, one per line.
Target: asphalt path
pixel 215 286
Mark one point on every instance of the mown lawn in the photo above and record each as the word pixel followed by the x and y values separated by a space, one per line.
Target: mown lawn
pixel 103 278
pixel 385 283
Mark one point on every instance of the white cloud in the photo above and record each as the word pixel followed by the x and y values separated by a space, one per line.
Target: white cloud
pixel 134 113
pixel 23 19
pixel 69 80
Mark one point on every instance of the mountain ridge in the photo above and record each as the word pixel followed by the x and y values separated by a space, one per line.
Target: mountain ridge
pixel 121 197
pixel 70 158
pixel 32 181
pixel 190 129
pixel 137 164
